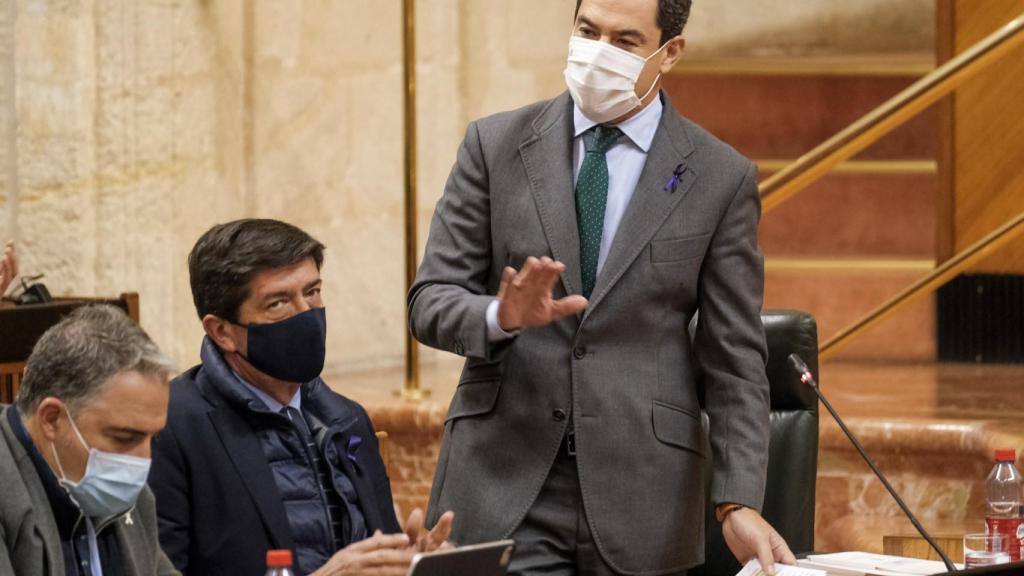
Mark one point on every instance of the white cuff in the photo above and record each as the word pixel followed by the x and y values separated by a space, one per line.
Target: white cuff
pixel 494 331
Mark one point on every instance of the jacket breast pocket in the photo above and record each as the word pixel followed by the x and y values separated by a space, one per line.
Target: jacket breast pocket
pixel 679 249
pixel 474 398
pixel 678 427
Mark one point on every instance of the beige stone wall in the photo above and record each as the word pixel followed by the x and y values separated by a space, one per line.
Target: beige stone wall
pixel 127 127
pixel 127 138
pixel 8 144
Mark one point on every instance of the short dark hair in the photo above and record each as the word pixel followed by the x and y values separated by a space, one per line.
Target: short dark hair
pixel 225 259
pixel 672 17
pixel 78 356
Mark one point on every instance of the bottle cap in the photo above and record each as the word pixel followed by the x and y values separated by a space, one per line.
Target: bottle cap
pixel 279 558
pixel 1006 455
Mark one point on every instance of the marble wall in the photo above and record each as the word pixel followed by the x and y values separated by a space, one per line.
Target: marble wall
pixel 128 127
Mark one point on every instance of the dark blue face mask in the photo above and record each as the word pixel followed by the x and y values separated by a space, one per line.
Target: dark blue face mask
pixel 292 349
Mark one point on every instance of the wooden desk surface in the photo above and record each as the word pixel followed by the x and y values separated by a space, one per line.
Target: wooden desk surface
pixel 915 546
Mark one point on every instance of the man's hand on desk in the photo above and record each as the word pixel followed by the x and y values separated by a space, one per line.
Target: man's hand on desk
pixel 380 554
pixel 525 298
pixel 390 554
pixel 748 536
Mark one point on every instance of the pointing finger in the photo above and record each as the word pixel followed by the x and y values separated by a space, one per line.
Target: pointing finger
pixel 414 525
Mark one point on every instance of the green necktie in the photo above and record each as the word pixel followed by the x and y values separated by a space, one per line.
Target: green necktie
pixel 591 199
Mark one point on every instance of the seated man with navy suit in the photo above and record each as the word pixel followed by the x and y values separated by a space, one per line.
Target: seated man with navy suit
pixel 259 453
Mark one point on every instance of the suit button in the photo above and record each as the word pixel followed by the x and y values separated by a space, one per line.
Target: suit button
pixel 558 415
pixel 459 348
pixel 579 352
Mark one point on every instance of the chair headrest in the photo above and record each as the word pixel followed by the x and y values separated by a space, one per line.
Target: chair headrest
pixel 787 332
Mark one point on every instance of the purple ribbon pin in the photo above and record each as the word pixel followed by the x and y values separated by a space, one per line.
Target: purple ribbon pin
pixel 670 186
pixel 354 442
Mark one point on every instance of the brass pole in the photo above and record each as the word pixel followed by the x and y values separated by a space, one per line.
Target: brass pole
pixel 811 166
pixel 785 183
pixel 411 389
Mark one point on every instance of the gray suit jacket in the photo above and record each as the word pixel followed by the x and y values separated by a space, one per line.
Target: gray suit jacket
pixel 626 369
pixel 31 540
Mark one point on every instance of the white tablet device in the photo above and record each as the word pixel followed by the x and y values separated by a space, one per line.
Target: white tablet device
pixel 487 559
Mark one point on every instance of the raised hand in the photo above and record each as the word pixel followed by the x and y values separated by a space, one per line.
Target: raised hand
pixel 8 267
pixel 429 541
pixel 525 297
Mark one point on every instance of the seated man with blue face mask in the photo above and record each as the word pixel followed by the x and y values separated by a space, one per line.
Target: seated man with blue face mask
pixel 259 453
pixel 74 452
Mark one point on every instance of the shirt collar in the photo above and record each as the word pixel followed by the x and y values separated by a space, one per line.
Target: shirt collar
pixel 268 400
pixel 639 129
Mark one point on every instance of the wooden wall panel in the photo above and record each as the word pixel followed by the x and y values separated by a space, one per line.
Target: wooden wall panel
pixel 988 136
pixel 945 199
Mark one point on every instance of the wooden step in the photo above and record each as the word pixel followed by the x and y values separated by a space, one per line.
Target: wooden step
pixel 840 292
pixel 881 209
pixel 770 116
pixel 909 64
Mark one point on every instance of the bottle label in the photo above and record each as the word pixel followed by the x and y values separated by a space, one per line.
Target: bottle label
pixel 1008 526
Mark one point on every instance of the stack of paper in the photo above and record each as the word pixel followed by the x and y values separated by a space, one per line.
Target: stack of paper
pixel 753 568
pixel 867 564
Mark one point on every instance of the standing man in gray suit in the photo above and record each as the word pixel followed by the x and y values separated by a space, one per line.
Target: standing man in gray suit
pixel 575 240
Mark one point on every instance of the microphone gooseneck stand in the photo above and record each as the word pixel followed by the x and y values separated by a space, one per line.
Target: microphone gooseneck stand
pixel 806 377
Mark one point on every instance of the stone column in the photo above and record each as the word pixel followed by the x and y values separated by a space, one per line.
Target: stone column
pixel 8 144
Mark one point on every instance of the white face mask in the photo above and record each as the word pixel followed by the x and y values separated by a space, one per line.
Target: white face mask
pixel 111 484
pixel 602 78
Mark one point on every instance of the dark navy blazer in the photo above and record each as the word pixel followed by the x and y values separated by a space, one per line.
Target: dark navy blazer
pixel 218 506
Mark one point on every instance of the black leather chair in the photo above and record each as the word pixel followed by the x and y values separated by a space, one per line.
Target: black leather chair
pixel 793 455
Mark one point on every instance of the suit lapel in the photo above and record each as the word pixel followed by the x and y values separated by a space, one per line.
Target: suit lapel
pixel 45 528
pixel 547 157
pixel 651 203
pixel 243 447
pixel 363 485
pixel 335 440
pixel 339 420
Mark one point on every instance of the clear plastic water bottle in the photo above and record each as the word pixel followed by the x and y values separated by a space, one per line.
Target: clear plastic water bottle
pixel 279 563
pixel 1003 489
pixel 1020 540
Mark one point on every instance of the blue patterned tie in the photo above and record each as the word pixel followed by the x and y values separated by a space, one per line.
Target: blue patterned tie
pixel 591 199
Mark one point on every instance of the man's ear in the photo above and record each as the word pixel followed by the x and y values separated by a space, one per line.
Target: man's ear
pixel 219 330
pixel 48 418
pixel 673 53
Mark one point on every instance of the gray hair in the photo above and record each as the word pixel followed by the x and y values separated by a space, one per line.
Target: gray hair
pixel 77 357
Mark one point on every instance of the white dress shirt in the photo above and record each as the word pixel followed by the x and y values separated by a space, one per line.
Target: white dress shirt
pixel 626 159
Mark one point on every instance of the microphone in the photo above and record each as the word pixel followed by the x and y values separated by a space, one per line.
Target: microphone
pixel 806 377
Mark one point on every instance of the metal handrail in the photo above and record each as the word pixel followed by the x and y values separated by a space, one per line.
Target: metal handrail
pixel 890 115
pixel 942 274
pixel 869 129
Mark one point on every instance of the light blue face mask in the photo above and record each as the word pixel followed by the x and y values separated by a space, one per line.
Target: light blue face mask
pixel 111 484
